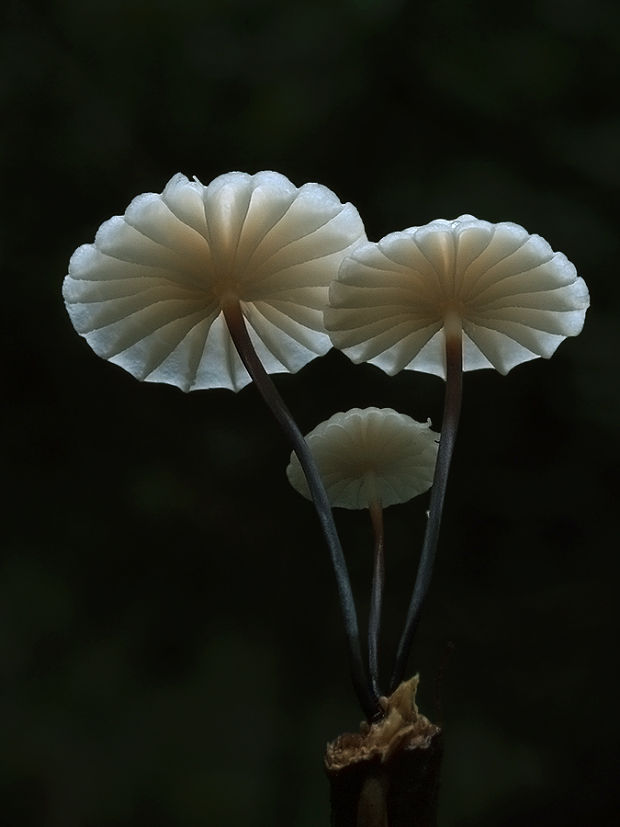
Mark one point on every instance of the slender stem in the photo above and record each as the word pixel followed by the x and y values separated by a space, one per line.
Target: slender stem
pixel 240 336
pixel 449 427
pixel 376 595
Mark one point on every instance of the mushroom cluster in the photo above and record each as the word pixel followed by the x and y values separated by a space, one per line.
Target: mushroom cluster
pixel 214 286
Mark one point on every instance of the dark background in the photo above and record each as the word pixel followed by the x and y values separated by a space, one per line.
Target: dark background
pixel 170 645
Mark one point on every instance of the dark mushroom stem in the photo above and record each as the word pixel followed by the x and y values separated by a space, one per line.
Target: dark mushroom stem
pixel 235 321
pixel 449 426
pixel 376 596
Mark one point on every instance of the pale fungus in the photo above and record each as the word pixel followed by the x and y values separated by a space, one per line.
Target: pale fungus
pixel 216 286
pixel 371 458
pixel 371 455
pixel 150 294
pixel 444 298
pixel 506 293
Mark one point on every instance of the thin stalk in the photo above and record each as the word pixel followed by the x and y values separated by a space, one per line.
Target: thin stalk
pixel 449 427
pixel 376 595
pixel 234 318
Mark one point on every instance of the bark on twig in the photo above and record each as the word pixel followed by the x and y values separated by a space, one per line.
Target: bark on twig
pixel 387 775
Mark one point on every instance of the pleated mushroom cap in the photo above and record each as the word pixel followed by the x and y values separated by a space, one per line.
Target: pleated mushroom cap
pixel 517 299
pixel 147 294
pixel 371 454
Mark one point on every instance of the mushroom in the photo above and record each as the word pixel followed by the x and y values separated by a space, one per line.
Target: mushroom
pixel 152 293
pixel 504 293
pixel 371 458
pixel 214 286
pixel 447 297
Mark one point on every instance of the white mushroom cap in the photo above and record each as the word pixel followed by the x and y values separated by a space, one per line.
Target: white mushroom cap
pixel 370 455
pixel 516 298
pixel 147 295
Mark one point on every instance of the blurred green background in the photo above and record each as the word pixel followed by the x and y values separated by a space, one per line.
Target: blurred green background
pixel 170 645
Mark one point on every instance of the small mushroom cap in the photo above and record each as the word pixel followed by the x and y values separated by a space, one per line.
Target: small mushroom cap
pixel 147 294
pixel 368 455
pixel 517 299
